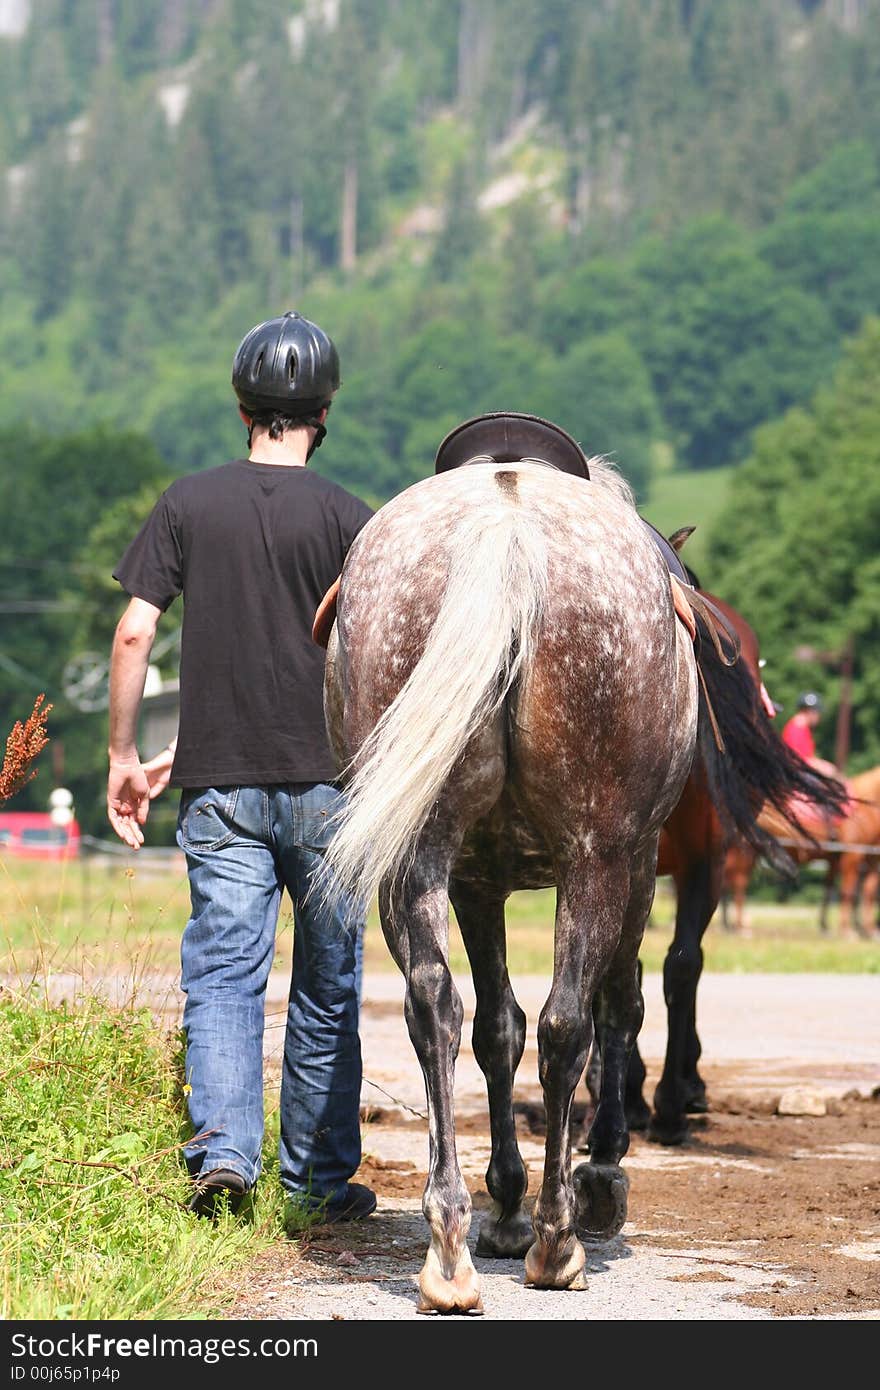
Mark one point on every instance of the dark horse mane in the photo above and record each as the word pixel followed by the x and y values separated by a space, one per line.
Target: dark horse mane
pixel 756 767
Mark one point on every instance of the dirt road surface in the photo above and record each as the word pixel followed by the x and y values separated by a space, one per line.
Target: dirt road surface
pixel 759 1216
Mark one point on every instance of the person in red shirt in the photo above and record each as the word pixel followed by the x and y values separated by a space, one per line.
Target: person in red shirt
pixel 798 732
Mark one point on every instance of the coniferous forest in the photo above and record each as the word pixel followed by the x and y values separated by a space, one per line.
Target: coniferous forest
pixel 656 222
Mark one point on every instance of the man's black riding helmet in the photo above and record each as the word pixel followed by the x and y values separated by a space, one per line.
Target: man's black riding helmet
pixel 286 366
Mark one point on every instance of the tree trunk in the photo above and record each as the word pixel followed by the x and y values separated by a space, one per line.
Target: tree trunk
pixel 172 30
pixel 348 238
pixel 105 31
pixel 474 49
pixel 297 277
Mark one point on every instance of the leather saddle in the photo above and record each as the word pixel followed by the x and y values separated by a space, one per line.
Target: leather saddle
pixel 510 437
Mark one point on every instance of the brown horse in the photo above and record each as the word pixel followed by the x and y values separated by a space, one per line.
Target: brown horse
pixel 692 851
pixel 853 862
pixel 694 848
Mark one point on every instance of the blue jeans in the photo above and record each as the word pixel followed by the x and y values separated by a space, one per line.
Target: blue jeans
pixel 244 846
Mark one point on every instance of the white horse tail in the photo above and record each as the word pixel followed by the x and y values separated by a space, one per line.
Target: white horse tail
pixel 481 639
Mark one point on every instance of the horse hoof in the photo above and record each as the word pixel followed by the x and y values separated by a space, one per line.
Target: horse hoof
pixel 460 1294
pixel 565 1273
pixel 696 1102
pixel 506 1239
pixel 671 1133
pixel 474 1310
pixel 638 1116
pixel 600 1194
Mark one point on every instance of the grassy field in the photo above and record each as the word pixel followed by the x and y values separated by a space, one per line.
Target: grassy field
pixel 692 498
pixel 127 918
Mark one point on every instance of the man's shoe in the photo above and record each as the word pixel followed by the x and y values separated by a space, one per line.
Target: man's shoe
pixel 303 1213
pixel 212 1190
pixel 355 1203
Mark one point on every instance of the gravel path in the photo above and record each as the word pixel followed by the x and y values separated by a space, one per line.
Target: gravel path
pixel 756 1218
pixel 678 1256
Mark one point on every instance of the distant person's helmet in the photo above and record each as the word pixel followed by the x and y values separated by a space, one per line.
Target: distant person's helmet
pixel 809 700
pixel 286 366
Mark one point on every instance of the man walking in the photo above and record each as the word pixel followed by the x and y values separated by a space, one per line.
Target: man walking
pixel 253 545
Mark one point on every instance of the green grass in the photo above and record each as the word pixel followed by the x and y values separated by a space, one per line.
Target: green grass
pixel 783 938
pixel 93 1219
pixel 53 919
pixel 689 498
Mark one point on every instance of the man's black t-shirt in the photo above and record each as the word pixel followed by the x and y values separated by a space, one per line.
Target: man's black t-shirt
pixel 253 548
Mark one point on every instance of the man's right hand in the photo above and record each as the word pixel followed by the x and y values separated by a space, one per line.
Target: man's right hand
pixel 128 801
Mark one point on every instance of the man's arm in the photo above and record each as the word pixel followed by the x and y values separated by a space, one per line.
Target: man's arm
pixel 128 787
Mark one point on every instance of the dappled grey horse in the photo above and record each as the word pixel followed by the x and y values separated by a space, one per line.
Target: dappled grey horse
pixel 515 705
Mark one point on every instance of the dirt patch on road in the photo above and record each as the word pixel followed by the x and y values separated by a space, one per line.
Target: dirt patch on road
pixel 803 1193
pixel 757 1215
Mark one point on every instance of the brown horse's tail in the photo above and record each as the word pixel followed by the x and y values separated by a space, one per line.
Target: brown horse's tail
pixel 755 770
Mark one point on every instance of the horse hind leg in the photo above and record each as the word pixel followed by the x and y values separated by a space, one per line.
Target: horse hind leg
pixel 601 1186
pixel 414 911
pixel 415 920
pixel 591 894
pixel 498 1039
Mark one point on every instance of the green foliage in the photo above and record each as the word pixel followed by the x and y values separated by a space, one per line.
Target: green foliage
pixel 796 546
pixel 682 228
pixel 601 393
pixel 136 229
pixel 53 491
pixel 98 597
pixel 727 346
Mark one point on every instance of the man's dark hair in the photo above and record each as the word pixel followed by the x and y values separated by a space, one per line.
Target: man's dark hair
pixel 277 424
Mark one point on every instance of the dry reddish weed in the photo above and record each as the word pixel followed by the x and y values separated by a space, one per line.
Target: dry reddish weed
pixel 23 746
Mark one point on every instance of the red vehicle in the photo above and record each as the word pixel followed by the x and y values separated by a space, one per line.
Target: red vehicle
pixel 34 835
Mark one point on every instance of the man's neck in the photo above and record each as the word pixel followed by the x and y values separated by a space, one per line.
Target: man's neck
pixel 287 452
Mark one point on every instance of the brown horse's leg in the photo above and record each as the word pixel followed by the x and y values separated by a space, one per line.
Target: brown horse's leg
pixel 849 873
pixel 499 1038
pixel 592 891
pixel 600 1185
pixel 638 1112
pixel 680 1087
pixel 740 892
pixel 736 875
pixel 867 924
pixel 831 874
pixel 741 878
pixel 415 920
